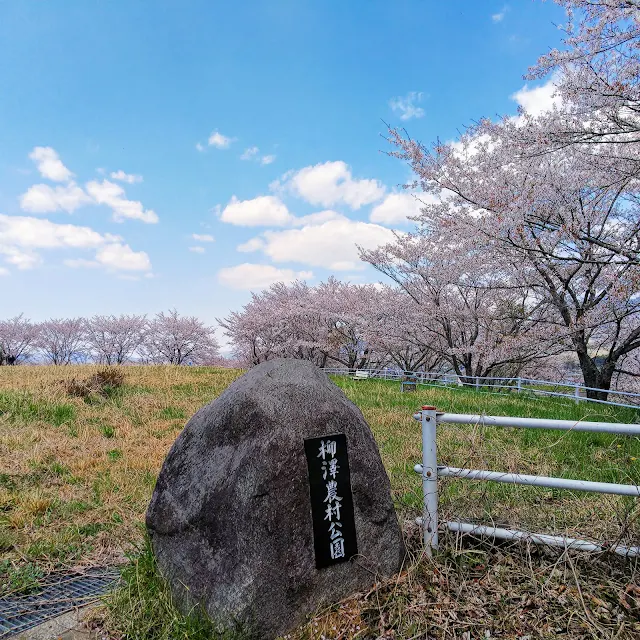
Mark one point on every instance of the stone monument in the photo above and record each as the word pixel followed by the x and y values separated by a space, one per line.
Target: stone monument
pixel 272 502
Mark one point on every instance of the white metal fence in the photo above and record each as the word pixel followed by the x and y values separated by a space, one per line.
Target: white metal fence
pixel 574 391
pixel 430 472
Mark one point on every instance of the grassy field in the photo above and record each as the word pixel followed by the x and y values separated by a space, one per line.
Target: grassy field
pixel 76 475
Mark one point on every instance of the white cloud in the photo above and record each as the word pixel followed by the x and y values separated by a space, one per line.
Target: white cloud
pixel 539 99
pixel 19 258
pixel 396 207
pixel 405 105
pixel 81 263
pixel 254 244
pixel 27 232
pixel 118 256
pixel 216 139
pixel 199 147
pixel 249 153
pixel 41 198
pixel 248 277
pixel 331 244
pixel 112 195
pixel 4 272
pixel 21 236
pixel 49 164
pixel 202 237
pixel 329 184
pixel 270 211
pixel 131 178
pixel 129 277
pixel 499 17
pixel 252 153
pixel 265 211
pixel 317 218
pixel 197 249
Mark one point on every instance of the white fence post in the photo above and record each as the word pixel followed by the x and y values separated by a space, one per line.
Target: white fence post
pixel 429 479
pixel 519 384
pixel 577 394
pixel 477 383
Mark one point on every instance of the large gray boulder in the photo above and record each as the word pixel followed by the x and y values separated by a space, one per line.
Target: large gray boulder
pixel 230 518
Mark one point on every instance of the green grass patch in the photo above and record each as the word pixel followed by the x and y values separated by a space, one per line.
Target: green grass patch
pixel 142 607
pixel 590 456
pixel 22 578
pixel 74 506
pixel 172 413
pixel 19 406
pixel 8 540
pixel 107 430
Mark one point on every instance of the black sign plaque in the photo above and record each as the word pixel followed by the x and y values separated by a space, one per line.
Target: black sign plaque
pixel 334 527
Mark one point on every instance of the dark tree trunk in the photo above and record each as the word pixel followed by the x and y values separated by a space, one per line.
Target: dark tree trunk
pixel 597 378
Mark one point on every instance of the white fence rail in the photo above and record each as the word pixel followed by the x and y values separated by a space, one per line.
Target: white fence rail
pixel 571 390
pixel 430 472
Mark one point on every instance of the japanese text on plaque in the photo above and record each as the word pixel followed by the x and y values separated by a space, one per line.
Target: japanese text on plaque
pixel 331 499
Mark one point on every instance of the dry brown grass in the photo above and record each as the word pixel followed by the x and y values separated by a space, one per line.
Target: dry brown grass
pixel 486 591
pixel 76 476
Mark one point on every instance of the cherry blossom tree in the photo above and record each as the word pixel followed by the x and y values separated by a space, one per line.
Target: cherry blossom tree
pixel 529 213
pixel 398 328
pixel 595 121
pixel 597 77
pixel 627 375
pixel 175 339
pixel 477 320
pixel 345 310
pixel 248 336
pixel 115 339
pixel 61 341
pixel 18 337
pixel 324 324
pixel 280 322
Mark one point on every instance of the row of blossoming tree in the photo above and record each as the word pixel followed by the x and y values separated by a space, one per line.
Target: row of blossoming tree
pixel 167 338
pixel 462 329
pixel 528 242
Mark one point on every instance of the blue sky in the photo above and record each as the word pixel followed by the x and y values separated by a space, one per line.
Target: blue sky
pixel 128 127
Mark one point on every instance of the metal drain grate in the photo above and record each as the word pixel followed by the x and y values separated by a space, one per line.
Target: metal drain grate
pixel 57 594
